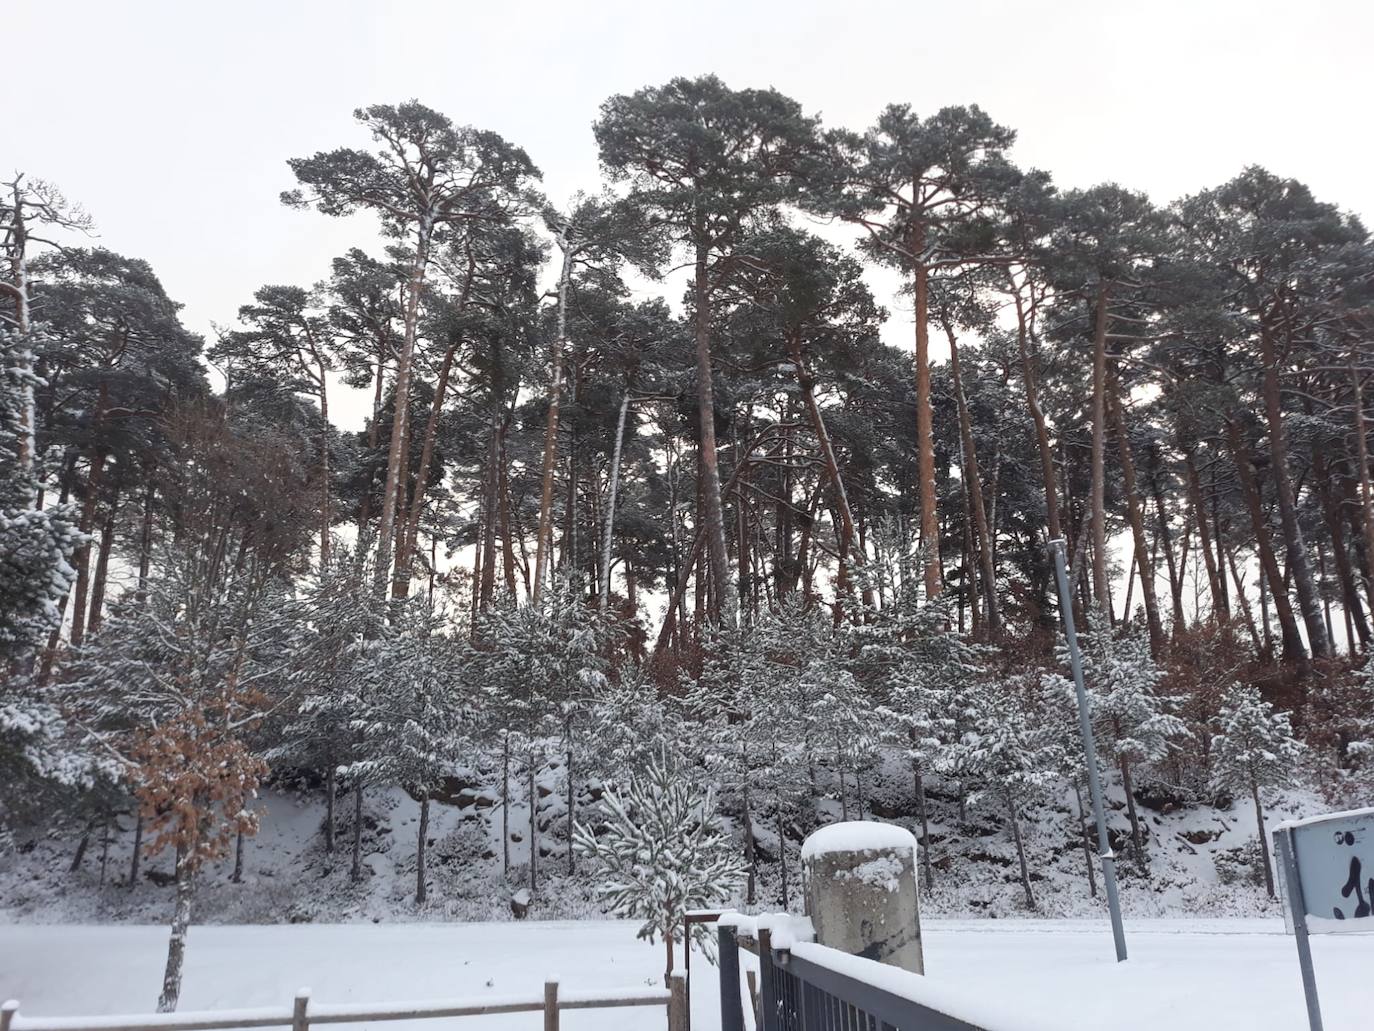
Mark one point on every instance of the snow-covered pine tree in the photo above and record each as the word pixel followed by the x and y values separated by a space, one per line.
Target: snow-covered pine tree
pixel 539 667
pixel 1008 752
pixel 339 617
pixel 414 712
pixel 1134 722
pixel 36 548
pixel 660 853
pixel 1254 748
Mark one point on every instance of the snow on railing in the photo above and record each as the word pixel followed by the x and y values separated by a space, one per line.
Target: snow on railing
pixel 301 1014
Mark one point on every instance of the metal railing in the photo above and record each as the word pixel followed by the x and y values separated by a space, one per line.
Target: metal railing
pixel 300 1015
pixel 811 988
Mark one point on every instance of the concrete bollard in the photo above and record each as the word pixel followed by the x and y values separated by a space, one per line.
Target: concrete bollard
pixel 860 884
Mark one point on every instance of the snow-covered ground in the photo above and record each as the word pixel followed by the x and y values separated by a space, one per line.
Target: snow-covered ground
pixel 1183 974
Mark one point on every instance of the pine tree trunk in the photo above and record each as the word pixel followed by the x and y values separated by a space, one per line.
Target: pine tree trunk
pixel 534 829
pixel 326 513
pixel 396 454
pixel 330 788
pixel 181 923
pixel 710 468
pixel 420 841
pixel 138 848
pixel 355 874
pixel 782 851
pixel 237 876
pixel 1137 520
pixel 925 436
pixel 1362 477
pixel 750 858
pixel 1220 608
pixel 1299 562
pixel 1137 839
pixel 1029 378
pixel 1086 835
pixel 79 856
pixel 1263 838
pixel 104 845
pixel 1101 588
pixel 572 805
pixel 1293 649
pixel 611 492
pixel 1020 851
pixel 921 812
pixel 505 803
pixel 544 541
pixel 974 487
pixel 1261 648
pixel 102 567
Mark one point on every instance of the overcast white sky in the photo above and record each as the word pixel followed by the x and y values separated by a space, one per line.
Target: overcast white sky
pixel 171 122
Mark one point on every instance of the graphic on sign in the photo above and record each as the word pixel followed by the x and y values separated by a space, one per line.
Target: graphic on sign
pixel 1335 860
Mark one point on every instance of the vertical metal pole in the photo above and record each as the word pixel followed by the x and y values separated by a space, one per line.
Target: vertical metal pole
pixel 1297 906
pixel 1085 727
pixel 769 1006
pixel 731 1009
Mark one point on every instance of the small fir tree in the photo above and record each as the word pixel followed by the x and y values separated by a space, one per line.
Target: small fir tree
pixel 1254 748
pixel 661 854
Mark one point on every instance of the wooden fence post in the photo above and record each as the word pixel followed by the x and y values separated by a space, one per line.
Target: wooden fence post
pixel 550 1006
pixel 7 1011
pixel 299 1021
pixel 677 1002
pixel 768 989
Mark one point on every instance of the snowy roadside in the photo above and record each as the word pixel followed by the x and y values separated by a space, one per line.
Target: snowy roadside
pixel 1184 974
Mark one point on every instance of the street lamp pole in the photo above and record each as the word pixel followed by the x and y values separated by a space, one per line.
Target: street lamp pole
pixel 1085 726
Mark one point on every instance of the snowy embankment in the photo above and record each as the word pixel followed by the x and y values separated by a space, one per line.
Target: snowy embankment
pixel 1183 974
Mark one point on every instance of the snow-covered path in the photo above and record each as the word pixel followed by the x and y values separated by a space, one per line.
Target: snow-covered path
pixel 1183 974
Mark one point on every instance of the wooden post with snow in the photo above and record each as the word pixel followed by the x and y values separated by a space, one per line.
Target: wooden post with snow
pixel 677 1001
pixel 299 1021
pixel 860 883
pixel 550 1006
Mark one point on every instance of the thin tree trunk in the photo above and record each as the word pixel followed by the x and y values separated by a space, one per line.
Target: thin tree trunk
pixel 1136 518
pixel 710 468
pixel 1101 589
pixel 544 540
pixel 1293 648
pixel 921 811
pixel 1362 477
pixel 1020 851
pixel 1264 840
pixel 1029 378
pixel 1137 839
pixel 138 848
pixel 420 842
pixel 237 876
pixel 505 803
pixel 330 788
pixel 102 567
pixel 1087 838
pixel 534 829
pixel 925 436
pixel 983 536
pixel 609 537
pixel 181 923
pixel 1220 608
pixel 355 874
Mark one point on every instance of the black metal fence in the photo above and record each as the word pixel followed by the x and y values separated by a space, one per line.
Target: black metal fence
pixel 795 993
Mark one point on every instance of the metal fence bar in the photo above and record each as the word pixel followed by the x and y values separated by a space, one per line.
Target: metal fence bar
pixel 731 1008
pixel 864 1004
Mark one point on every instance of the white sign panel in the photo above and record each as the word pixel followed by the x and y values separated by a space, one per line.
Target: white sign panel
pixel 1335 861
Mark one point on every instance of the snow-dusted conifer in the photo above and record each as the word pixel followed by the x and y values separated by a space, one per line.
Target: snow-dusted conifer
pixel 414 713
pixel 1254 748
pixel 1134 722
pixel 1008 752
pixel 660 853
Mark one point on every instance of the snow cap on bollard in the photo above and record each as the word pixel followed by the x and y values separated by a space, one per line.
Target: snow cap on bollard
pixel 861 895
